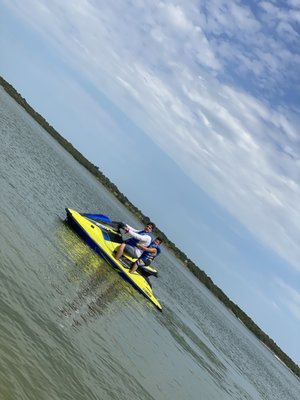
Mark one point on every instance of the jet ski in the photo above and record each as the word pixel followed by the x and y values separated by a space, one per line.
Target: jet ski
pixel 116 227
pixel 104 236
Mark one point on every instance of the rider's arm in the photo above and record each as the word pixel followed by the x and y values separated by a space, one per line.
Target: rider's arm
pixel 151 250
pixel 131 229
pixel 144 240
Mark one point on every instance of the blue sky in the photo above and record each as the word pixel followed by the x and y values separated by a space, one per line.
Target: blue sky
pixel 197 100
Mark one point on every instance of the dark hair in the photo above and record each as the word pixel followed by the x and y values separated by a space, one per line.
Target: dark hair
pixel 160 239
pixel 152 224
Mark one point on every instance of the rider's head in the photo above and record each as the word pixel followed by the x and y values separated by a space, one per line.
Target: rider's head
pixel 149 227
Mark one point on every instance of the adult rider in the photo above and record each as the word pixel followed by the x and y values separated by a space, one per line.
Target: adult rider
pixel 138 237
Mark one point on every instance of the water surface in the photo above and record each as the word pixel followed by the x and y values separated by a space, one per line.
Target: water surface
pixel 71 328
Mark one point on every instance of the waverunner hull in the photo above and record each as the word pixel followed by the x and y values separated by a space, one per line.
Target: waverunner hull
pixel 96 238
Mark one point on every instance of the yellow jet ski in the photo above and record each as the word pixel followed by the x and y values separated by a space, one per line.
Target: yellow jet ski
pixel 103 236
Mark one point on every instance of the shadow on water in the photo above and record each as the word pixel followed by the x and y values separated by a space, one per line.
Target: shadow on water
pixel 92 300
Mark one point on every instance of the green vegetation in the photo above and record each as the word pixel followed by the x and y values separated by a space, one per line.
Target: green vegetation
pixel 200 274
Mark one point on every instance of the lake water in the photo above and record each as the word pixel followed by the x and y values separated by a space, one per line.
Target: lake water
pixel 71 328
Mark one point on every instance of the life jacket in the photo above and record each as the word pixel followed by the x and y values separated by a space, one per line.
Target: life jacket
pixel 133 241
pixel 149 256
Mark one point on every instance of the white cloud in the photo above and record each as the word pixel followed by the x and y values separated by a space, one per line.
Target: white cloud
pixel 290 297
pixel 176 16
pixel 294 3
pixel 276 306
pixel 284 28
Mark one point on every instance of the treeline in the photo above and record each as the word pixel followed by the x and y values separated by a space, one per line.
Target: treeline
pixel 200 274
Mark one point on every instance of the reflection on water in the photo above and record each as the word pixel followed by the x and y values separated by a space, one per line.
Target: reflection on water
pixel 92 300
pixel 98 285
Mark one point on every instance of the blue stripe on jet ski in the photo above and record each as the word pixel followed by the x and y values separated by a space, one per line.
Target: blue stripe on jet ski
pixel 106 236
pixel 97 217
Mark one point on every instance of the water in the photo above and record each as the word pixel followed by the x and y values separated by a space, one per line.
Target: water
pixel 70 328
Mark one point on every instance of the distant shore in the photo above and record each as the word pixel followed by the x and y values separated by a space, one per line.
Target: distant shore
pixel 187 263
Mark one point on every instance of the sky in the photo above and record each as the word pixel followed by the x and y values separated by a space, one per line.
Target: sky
pixel 192 110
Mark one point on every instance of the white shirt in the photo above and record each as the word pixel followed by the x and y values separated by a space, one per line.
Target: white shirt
pixel 144 239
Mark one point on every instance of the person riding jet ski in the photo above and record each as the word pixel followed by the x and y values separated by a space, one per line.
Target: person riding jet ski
pixel 150 252
pixel 138 237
